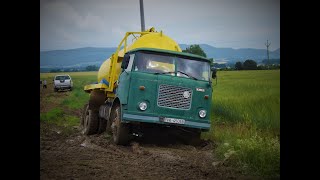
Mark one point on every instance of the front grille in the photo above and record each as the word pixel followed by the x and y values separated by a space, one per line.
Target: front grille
pixel 173 97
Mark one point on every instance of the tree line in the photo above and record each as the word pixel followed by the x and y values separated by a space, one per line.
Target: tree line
pixel 88 68
pixel 252 65
pixel 196 49
pixel 248 64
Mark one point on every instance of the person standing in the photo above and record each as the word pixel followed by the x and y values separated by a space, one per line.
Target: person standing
pixel 45 84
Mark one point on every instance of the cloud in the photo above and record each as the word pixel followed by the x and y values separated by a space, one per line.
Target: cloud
pixel 75 23
pixel 92 23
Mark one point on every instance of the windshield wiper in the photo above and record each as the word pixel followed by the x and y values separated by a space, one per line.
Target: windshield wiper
pixel 188 75
pixel 164 72
pixel 179 72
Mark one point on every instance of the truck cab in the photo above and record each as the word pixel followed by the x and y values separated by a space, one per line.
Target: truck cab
pixel 147 86
pixel 165 88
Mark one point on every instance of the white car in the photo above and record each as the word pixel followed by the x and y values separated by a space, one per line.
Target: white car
pixel 61 82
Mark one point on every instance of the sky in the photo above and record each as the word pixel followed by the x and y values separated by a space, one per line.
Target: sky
pixel 69 24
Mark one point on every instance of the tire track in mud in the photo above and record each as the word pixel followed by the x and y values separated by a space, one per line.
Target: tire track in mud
pixel 79 157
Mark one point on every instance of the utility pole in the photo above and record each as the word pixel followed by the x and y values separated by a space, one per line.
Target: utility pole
pixel 142 15
pixel 268 44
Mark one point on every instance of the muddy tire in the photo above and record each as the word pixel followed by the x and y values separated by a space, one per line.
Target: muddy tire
pixel 195 139
pixel 120 131
pixel 91 122
pixel 191 138
pixel 83 114
pixel 109 121
pixel 102 125
pixel 108 128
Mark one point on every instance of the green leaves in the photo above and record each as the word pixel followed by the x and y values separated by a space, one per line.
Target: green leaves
pixel 195 49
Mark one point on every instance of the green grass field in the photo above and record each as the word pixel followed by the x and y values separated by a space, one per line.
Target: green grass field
pixel 60 105
pixel 245 117
pixel 78 97
pixel 246 120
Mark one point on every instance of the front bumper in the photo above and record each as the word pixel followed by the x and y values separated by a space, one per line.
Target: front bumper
pixel 63 87
pixel 156 119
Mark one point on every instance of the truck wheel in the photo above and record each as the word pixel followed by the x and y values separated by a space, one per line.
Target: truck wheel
pixel 108 128
pixel 91 122
pixel 195 138
pixel 191 138
pixel 55 90
pixel 102 125
pixel 120 132
pixel 83 114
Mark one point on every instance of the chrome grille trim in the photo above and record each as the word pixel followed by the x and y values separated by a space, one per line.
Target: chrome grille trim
pixel 172 97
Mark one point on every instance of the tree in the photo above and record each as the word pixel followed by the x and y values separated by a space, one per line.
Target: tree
pixel 92 68
pixel 238 66
pixel 250 65
pixel 195 49
pixel 55 70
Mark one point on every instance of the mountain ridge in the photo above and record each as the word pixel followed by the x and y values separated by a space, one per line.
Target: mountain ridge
pixel 97 55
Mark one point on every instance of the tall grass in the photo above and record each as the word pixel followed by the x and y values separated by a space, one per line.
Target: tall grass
pixel 248 96
pixel 246 120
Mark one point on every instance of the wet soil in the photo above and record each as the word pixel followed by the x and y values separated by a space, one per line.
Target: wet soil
pixel 67 154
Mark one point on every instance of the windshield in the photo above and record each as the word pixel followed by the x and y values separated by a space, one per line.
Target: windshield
pixel 62 77
pixel 169 65
pixel 154 63
pixel 193 69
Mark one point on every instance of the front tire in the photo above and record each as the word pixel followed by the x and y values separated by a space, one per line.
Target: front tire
pixel 102 125
pixel 191 138
pixel 91 122
pixel 83 114
pixel 120 131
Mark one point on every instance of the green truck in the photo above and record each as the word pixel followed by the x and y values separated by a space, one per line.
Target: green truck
pixel 155 88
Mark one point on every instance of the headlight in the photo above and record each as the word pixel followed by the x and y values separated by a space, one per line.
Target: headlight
pixel 202 113
pixel 143 106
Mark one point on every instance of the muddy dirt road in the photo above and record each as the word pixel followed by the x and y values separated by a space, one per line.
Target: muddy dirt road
pixel 79 157
pixel 67 154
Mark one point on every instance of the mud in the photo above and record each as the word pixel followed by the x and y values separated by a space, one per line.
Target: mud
pixel 75 156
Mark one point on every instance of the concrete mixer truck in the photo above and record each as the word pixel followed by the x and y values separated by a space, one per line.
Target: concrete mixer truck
pixel 150 83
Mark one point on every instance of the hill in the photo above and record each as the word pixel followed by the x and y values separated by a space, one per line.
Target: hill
pixel 82 57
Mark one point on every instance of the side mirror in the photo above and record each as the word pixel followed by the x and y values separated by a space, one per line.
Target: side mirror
pixel 214 72
pixel 125 61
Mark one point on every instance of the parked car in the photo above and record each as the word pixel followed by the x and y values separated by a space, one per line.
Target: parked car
pixel 61 82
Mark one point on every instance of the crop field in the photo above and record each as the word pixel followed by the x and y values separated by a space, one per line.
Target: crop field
pixel 246 120
pixel 243 142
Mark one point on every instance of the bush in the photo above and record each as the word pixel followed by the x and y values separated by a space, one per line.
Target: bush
pixel 250 65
